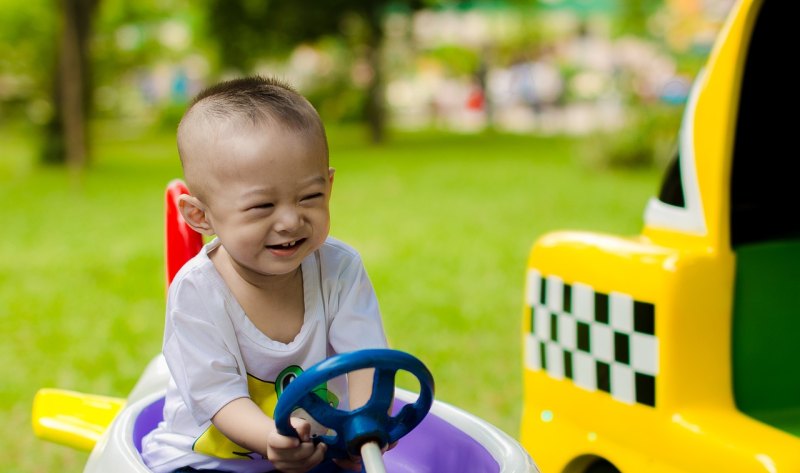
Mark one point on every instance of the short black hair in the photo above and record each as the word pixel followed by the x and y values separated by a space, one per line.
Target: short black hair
pixel 255 100
pixel 258 98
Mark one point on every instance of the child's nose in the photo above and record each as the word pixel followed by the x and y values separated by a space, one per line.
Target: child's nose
pixel 288 219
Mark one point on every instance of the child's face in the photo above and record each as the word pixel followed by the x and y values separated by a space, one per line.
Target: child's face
pixel 268 199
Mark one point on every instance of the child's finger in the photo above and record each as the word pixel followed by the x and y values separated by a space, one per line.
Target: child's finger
pixel 282 442
pixel 303 428
pixel 318 455
pixel 300 459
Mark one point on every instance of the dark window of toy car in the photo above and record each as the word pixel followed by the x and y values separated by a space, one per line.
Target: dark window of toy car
pixel 764 196
pixel 672 186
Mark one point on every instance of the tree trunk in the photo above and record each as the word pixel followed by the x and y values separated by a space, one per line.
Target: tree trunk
pixel 66 138
pixel 375 105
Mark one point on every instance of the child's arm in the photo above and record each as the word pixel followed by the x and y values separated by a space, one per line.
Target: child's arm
pixel 359 384
pixel 242 421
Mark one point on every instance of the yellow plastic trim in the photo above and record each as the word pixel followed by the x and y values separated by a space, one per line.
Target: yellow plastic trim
pixel 72 418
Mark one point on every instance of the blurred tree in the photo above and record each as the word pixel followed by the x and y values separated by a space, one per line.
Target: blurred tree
pixel 246 29
pixel 634 15
pixel 66 134
pixel 27 28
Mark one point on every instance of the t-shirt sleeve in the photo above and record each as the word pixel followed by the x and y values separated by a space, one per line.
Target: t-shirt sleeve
pixel 204 369
pixel 355 315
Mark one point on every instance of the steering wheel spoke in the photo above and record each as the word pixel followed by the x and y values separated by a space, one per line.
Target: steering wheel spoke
pixel 407 416
pixel 382 390
pixel 317 408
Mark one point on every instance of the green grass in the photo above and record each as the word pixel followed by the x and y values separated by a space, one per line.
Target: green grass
pixel 444 223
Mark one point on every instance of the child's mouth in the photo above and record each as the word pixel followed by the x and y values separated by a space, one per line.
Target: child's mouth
pixel 289 245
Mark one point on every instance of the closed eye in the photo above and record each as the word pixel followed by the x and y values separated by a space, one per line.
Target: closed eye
pixel 313 196
pixel 265 205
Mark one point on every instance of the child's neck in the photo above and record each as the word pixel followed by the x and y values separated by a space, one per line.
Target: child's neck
pixel 273 303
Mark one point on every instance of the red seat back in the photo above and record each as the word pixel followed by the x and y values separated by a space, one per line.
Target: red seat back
pixel 182 243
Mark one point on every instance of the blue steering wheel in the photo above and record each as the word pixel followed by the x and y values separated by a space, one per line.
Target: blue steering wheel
pixel 369 423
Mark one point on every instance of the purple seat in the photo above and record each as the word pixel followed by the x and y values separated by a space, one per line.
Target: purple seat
pixel 434 446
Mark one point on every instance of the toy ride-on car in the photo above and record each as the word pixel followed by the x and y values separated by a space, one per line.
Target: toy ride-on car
pixel 677 350
pixel 446 439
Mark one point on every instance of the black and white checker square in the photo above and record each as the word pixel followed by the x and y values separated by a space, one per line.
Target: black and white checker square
pixel 600 341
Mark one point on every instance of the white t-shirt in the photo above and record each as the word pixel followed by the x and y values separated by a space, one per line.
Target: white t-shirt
pixel 208 338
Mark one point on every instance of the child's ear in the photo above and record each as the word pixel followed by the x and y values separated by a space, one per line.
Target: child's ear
pixel 194 212
pixel 331 172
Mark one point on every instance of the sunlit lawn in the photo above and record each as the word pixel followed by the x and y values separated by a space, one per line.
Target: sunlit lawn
pixel 444 223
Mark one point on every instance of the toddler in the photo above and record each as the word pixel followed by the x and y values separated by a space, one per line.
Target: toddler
pixel 271 295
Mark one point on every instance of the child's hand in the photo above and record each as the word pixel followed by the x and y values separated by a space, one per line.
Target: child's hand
pixel 290 455
pixel 354 463
pixel 349 464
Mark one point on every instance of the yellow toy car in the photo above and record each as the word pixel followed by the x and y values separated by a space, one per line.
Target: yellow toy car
pixel 678 350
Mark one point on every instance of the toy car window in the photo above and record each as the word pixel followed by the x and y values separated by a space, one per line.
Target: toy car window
pixel 672 187
pixel 764 199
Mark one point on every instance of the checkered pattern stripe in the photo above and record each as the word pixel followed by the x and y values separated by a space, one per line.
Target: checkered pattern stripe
pixel 604 342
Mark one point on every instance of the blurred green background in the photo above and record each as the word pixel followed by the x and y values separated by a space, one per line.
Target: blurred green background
pixel 461 132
